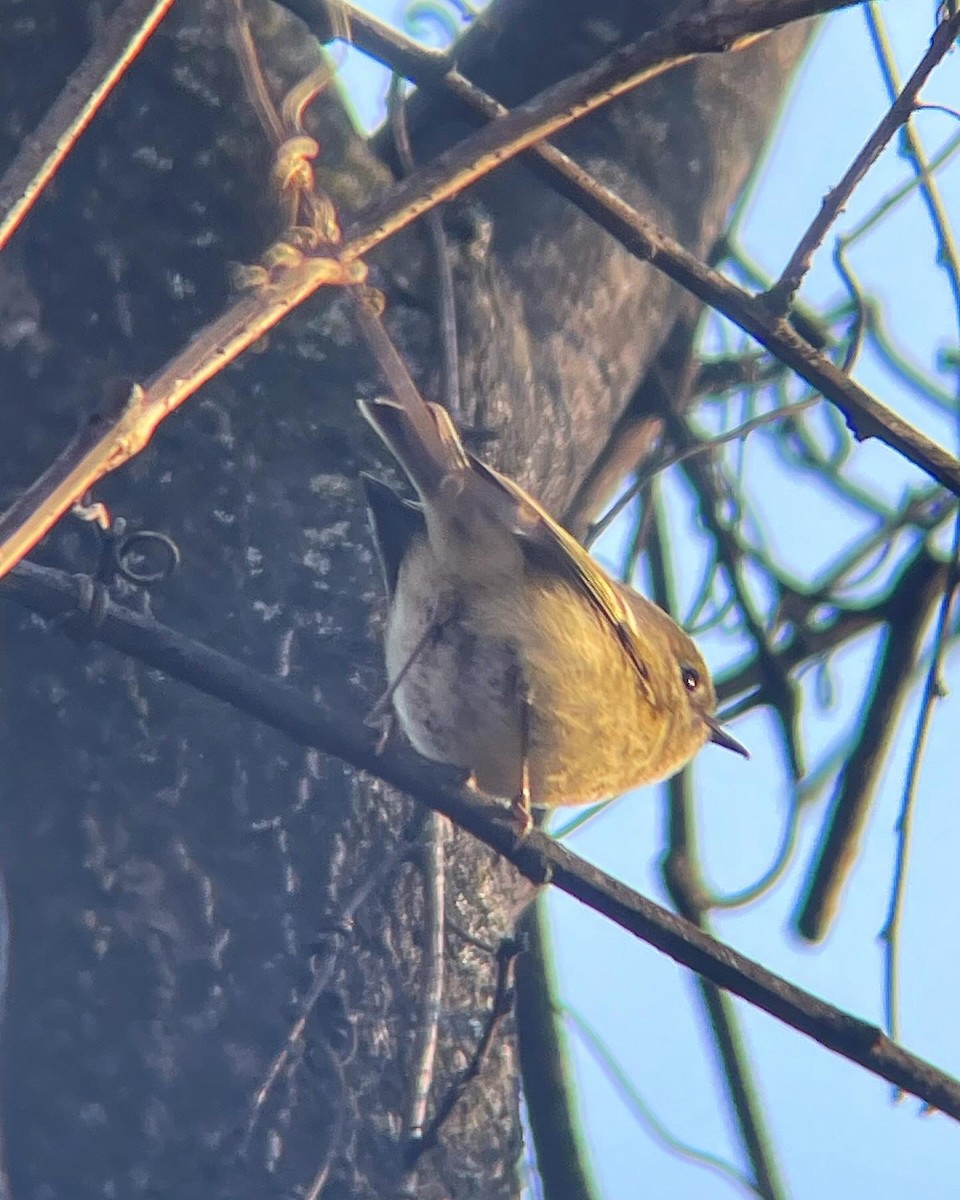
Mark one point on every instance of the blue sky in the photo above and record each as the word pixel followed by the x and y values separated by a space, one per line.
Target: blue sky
pixel 834 1128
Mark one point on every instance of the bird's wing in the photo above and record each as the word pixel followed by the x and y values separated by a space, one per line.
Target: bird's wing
pixel 540 533
pixel 395 522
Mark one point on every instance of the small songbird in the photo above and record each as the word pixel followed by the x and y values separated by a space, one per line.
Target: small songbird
pixel 510 652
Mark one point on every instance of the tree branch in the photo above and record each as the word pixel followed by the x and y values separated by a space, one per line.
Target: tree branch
pixel 852 802
pixel 548 1087
pixel 334 724
pixel 779 296
pixel 120 40
pixel 247 320
pixel 866 415
pixel 682 877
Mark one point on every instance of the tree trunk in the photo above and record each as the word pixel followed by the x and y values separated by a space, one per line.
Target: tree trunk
pixel 171 866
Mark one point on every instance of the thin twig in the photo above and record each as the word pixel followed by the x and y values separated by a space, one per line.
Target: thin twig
pixel 323 972
pixel 681 875
pixel 434 841
pixel 948 253
pixel 240 38
pixel 932 691
pixel 334 724
pixel 548 1086
pixel 781 294
pixel 121 38
pixel 340 1106
pixel 302 206
pixel 923 510
pixel 447 309
pixel 780 691
pixel 912 375
pixel 853 800
pixel 774 873
pixel 809 643
pixel 949 258
pixel 500 1007
pixel 646 1116
pixel 705 447
pixel 367 303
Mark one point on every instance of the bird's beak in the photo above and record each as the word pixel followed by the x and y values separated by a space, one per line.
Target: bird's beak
pixel 719 735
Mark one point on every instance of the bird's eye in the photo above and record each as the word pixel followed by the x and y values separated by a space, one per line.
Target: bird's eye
pixel 691 678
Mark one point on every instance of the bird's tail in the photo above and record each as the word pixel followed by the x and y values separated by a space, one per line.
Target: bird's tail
pixel 425 443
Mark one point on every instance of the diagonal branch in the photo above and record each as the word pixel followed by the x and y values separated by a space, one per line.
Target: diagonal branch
pixel 809 642
pixel 250 318
pixel 120 40
pixel 852 803
pixel 334 724
pixel 865 414
pixel 780 296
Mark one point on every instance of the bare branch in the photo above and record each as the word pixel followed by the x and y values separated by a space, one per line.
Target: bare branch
pixel 865 414
pixel 335 725
pixel 948 252
pixel 681 875
pixel 779 297
pixel 223 340
pixel 250 318
pixel 933 690
pixel 548 1086
pixel 840 844
pixel 121 39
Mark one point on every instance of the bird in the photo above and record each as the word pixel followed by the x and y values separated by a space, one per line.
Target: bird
pixel 510 652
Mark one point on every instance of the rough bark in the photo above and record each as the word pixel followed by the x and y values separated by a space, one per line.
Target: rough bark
pixel 170 865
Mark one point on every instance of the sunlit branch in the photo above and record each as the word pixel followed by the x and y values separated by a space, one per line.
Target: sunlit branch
pixel 120 39
pixel 250 318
